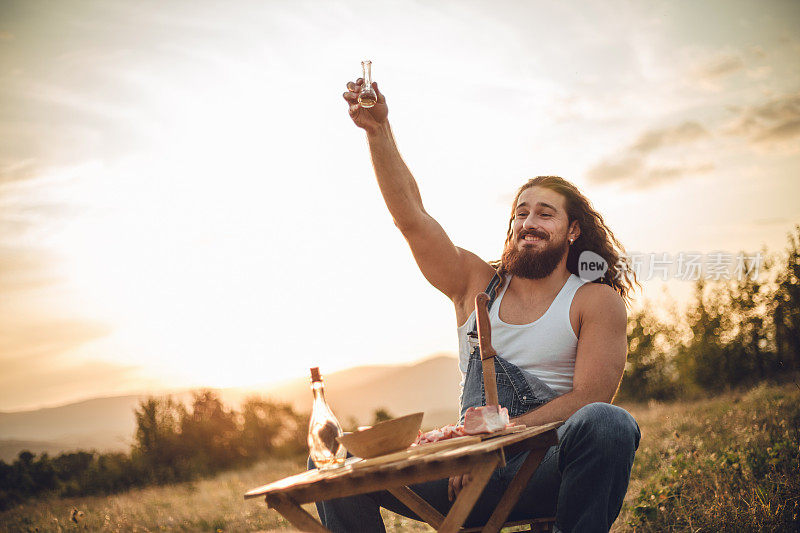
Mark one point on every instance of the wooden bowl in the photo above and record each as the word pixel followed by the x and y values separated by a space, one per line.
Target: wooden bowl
pixel 382 438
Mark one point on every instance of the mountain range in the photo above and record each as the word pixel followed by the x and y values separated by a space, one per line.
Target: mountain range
pixel 354 394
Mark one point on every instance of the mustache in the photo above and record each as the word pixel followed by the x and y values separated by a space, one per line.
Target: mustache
pixel 536 233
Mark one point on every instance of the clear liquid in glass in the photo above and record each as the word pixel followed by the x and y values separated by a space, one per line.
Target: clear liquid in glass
pixel 367 97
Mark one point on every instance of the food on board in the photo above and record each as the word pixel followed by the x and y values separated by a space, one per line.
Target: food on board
pixel 477 420
pixel 485 419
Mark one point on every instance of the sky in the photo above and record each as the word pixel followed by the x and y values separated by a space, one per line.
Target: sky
pixel 185 202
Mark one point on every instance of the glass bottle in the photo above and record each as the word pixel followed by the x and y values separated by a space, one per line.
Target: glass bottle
pixel 324 449
pixel 367 97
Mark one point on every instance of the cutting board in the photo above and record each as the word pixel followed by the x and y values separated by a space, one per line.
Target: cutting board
pixel 425 449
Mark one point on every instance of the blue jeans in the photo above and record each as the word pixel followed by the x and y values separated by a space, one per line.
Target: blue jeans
pixel 582 481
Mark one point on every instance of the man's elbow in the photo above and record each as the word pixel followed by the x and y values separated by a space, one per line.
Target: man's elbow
pixel 597 392
pixel 414 225
pixel 405 226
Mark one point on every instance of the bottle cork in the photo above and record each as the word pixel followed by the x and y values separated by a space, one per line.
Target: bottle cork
pixel 315 374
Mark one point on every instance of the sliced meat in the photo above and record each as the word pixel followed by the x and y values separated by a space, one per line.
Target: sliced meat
pixel 485 419
pixel 435 435
pixel 477 420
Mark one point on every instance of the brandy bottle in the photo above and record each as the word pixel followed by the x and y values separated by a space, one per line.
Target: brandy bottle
pixel 323 428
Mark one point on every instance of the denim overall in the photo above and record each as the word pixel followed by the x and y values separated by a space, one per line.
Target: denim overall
pixel 518 391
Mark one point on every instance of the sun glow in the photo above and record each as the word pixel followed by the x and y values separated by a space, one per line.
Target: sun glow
pixel 170 243
pixel 198 196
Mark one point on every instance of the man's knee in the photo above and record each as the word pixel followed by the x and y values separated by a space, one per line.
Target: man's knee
pixel 605 426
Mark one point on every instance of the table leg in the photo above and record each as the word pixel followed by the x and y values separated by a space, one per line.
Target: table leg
pixel 414 502
pixel 514 490
pixel 295 514
pixel 469 495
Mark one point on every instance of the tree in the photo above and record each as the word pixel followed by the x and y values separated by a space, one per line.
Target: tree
pixel 649 370
pixel 209 433
pixel 158 440
pixel 270 428
pixel 750 330
pixel 702 361
pixel 786 309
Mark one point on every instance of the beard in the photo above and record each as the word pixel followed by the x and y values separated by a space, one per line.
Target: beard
pixel 533 264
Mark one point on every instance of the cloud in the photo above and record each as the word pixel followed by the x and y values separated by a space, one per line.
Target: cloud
pixel 36 339
pixel 710 68
pixel 757 52
pixel 635 172
pixel 759 73
pixel 719 66
pixel 618 169
pixel 33 367
pixel 656 175
pixel 19 170
pixel 774 221
pixel 31 339
pixel 773 125
pixel 631 165
pixel 23 268
pixel 31 332
pixel 38 385
pixel 652 140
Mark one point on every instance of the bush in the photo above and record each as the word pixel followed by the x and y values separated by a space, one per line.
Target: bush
pixel 172 443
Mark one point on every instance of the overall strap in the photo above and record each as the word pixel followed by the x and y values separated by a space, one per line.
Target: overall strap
pixel 472 336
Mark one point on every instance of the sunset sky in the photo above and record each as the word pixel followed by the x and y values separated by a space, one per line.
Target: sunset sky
pixel 184 200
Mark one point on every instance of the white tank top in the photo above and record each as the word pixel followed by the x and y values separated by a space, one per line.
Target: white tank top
pixel 546 347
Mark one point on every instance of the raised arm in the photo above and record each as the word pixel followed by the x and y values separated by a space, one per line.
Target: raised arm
pixel 450 269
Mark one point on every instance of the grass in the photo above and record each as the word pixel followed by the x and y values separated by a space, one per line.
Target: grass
pixel 729 463
pixel 208 505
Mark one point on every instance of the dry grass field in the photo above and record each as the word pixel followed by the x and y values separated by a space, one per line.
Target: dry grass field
pixel 728 463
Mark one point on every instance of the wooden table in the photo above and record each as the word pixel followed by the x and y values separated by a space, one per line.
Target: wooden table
pixel 478 456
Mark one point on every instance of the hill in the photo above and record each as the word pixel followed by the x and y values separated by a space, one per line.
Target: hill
pixel 354 394
pixel 430 386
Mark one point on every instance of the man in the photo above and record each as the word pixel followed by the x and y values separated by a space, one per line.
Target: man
pixel 561 343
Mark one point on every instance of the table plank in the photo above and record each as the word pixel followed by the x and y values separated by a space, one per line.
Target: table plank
pixel 380 480
pixel 297 484
pixel 414 501
pixel 287 482
pixel 514 491
pixel 425 449
pixel 469 495
pixel 295 514
pixel 414 451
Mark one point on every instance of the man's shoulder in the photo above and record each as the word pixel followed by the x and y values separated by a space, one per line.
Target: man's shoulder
pixel 598 298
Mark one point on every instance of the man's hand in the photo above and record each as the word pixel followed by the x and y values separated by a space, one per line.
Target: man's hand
pixel 455 485
pixel 370 119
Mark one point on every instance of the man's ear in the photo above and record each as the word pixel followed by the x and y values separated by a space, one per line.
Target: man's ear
pixel 574 230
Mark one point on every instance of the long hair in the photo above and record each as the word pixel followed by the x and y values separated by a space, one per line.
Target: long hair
pixel 595 236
